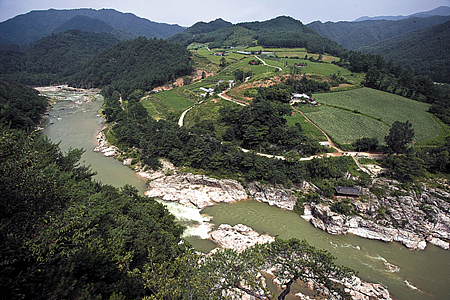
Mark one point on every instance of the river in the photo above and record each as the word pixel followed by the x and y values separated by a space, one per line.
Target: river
pixel 423 274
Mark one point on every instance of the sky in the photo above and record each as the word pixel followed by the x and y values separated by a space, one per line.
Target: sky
pixel 188 12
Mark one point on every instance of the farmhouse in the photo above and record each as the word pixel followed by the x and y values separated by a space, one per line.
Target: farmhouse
pixel 347 191
pixel 231 83
pixel 301 65
pixel 244 52
pixel 301 98
pixel 208 90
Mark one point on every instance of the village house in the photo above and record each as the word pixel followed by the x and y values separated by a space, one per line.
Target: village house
pixel 301 98
pixel 344 191
pixel 208 90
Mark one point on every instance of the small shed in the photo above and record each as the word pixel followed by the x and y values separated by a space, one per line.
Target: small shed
pixel 348 191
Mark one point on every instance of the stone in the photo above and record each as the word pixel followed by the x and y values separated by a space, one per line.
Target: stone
pixel 196 190
pixel 271 195
pixel 238 237
pixel 127 161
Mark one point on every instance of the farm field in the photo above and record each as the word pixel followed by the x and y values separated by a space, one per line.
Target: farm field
pixel 162 104
pixel 345 127
pixel 339 116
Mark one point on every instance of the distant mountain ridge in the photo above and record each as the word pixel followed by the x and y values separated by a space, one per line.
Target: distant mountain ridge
pixel 439 11
pixel 426 51
pixel 32 26
pixel 354 35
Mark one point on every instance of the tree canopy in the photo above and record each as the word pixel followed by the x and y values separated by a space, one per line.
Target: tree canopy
pixel 401 134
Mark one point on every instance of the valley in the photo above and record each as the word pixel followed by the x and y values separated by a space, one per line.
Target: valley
pixel 333 158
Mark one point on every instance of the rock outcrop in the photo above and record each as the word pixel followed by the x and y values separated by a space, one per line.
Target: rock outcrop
pixel 238 237
pixel 394 215
pixel 103 145
pixel 196 190
pixel 271 195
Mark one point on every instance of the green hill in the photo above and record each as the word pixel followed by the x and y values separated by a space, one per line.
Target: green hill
pixel 27 28
pixel 278 32
pixel 426 51
pixel 354 35
pixel 137 64
pixel 53 58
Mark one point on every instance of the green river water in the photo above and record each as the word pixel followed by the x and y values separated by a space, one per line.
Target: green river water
pixel 423 274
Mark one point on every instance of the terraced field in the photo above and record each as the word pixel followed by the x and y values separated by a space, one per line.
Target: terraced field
pixel 349 115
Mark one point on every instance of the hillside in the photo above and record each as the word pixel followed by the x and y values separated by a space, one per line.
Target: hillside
pixel 27 28
pixel 53 58
pixel 354 35
pixel 426 51
pixel 137 64
pixel 278 32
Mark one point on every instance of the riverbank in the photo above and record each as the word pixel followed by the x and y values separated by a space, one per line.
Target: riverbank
pixel 394 214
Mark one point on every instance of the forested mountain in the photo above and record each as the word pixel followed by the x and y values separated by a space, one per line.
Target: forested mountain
pixel 426 51
pixel 87 24
pixel 53 58
pixel 439 11
pixel 137 64
pixel 27 28
pixel 354 35
pixel 200 31
pixel 279 32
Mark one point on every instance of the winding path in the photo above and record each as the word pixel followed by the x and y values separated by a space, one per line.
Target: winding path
pixel 264 63
pixel 180 121
pixel 332 145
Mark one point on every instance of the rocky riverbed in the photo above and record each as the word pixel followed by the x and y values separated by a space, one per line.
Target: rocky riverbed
pixel 241 237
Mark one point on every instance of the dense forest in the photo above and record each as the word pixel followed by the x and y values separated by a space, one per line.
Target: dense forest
pixel 412 50
pixel 20 107
pixel 52 59
pixel 137 64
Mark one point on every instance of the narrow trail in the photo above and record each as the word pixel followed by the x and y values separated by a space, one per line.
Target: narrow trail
pixel 330 142
pixel 264 63
pixel 181 120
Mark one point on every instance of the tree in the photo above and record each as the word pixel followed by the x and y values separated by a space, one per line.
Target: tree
pixel 366 144
pixel 230 272
pixel 400 135
pixel 297 260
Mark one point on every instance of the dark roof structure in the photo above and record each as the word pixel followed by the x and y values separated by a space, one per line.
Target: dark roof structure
pixel 348 191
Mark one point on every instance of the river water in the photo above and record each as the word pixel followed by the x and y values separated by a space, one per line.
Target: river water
pixel 423 274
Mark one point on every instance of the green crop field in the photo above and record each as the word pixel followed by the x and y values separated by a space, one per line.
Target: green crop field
pixel 349 115
pixel 346 127
pixel 161 104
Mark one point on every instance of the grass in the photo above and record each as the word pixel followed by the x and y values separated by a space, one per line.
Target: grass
pixel 160 105
pixel 307 127
pixel 208 110
pixel 349 115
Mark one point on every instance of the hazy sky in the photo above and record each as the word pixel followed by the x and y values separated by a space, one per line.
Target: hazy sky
pixel 188 12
